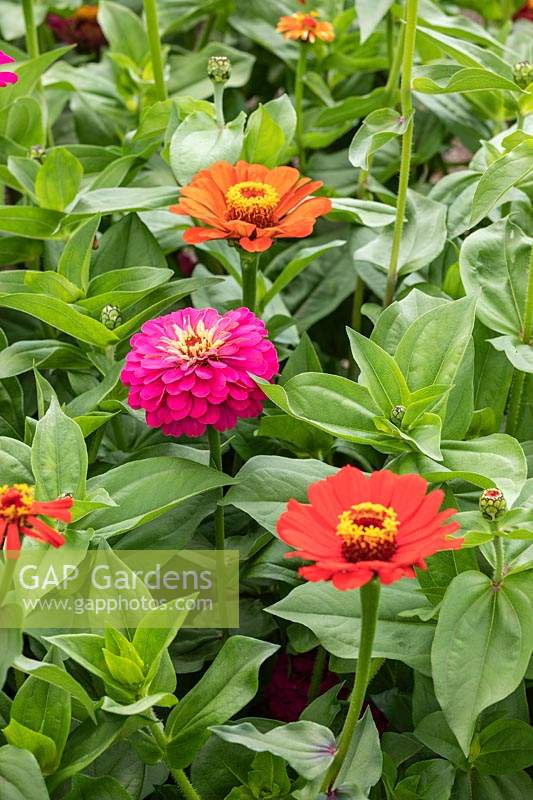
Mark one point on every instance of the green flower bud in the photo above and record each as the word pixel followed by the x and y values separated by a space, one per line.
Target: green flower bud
pixel 523 74
pixel 492 504
pixel 111 317
pixel 37 152
pixel 397 414
pixel 219 69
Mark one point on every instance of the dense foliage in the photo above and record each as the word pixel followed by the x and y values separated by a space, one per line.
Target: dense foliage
pixel 347 285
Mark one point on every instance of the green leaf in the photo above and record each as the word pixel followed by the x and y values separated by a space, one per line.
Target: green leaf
pixel 105 788
pixel 363 763
pixel 58 180
pixel 108 201
pixel 507 171
pixel 491 631
pixel 266 483
pixel 494 269
pixel 228 685
pixel 75 261
pixel 15 461
pixel 20 776
pixel 144 490
pixel 163 699
pixel 198 142
pixel 269 131
pixel 56 676
pixel 369 15
pixel 381 374
pixel 378 128
pixel 307 747
pixel 446 78
pixel 123 30
pixel 335 619
pixel 22 356
pixel 30 222
pixel 41 746
pixel 435 733
pixel 295 266
pixel 505 746
pixel 59 456
pixel 128 243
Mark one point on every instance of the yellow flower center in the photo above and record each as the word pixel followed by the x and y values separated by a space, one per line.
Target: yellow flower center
pixel 16 501
pixel 252 201
pixel 194 343
pixel 368 531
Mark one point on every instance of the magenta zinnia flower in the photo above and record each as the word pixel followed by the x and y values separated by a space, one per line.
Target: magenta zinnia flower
pixel 192 368
pixel 7 77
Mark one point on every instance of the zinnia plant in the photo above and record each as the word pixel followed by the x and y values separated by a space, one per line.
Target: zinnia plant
pixel 364 532
pixel 80 28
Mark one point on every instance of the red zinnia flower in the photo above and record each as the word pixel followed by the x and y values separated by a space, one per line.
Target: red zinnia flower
pixel 250 203
pixel 19 514
pixel 7 77
pixel 356 528
pixel 526 12
pixel 81 28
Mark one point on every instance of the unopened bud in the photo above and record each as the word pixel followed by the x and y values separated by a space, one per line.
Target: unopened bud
pixel 111 317
pixel 397 414
pixel 523 74
pixel 492 503
pixel 219 69
pixel 37 152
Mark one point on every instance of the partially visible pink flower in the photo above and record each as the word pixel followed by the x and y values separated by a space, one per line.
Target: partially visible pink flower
pixel 7 78
pixel 191 368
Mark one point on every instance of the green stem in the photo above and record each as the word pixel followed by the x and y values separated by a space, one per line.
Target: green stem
pixel 298 101
pixel 32 40
pixel 370 594
pixel 318 674
pixel 152 26
pixel 218 92
pixel 356 319
pixel 6 581
pixel 394 73
pixel 517 388
pixel 499 563
pixel 215 459
pixel 249 266
pixel 182 782
pixel 411 13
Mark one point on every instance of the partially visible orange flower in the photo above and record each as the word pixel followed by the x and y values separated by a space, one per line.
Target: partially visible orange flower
pixel 251 203
pixel 306 26
pixel 19 514
pixel 357 528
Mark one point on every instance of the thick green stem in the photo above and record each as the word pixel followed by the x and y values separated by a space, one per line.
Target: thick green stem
pixel 32 40
pixel 182 782
pixel 152 26
pixel 370 594
pixel 499 562
pixel 215 457
pixel 407 144
pixel 298 102
pixel 517 388
pixel 218 92
pixel 249 266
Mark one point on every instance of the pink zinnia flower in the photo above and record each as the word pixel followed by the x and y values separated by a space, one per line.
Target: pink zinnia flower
pixel 192 368
pixel 7 77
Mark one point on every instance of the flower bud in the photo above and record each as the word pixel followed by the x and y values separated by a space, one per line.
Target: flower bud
pixel 111 317
pixel 397 414
pixel 523 74
pixel 492 504
pixel 37 152
pixel 219 69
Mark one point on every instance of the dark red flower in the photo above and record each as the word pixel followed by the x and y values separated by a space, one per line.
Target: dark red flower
pixel 287 693
pixel 81 28
pixel 526 12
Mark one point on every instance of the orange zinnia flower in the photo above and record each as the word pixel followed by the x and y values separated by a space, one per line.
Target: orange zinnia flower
pixel 18 515
pixel 250 203
pixel 356 528
pixel 306 26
